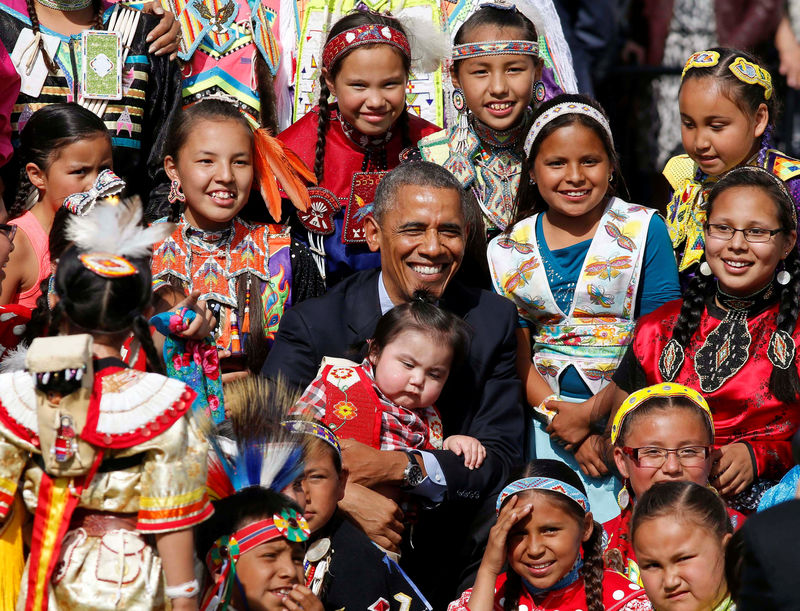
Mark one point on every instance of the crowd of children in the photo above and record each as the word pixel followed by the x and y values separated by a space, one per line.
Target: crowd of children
pixel 146 462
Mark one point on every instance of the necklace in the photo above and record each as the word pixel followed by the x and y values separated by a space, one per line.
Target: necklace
pixel 66 5
pixel 562 290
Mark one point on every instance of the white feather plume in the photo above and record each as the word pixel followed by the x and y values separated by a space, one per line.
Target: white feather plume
pixel 429 44
pixel 14 360
pixel 116 229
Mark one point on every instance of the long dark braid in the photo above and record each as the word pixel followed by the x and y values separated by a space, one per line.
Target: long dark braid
pixel 24 188
pixel 48 61
pixel 141 331
pixel 323 122
pixel 405 128
pixel 766 143
pixel 513 591
pixel 592 570
pixel 694 303
pixel 785 383
pixel 255 348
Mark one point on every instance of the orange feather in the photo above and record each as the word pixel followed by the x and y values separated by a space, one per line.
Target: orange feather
pixel 275 162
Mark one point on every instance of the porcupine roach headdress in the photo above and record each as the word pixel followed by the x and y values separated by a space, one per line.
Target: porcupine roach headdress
pixel 251 448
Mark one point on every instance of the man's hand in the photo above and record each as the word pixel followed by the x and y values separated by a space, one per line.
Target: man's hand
pixel 166 35
pixel 380 518
pixel 589 458
pixel 572 424
pixel 370 467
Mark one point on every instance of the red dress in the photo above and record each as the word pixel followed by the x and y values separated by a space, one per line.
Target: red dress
pixel 744 409
pixel 618 535
pixel 344 158
pixel 619 594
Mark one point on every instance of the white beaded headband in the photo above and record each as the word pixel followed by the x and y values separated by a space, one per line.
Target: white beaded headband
pixel 568 108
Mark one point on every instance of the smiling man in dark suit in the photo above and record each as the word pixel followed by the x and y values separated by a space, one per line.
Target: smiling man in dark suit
pixel 420 224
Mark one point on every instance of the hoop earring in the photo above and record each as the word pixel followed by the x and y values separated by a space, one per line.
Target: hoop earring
pixel 175 192
pixel 539 92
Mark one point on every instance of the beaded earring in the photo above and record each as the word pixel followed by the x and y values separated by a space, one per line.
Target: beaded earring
pixel 175 192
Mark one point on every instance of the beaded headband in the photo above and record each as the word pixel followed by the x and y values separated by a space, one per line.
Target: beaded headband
pixel 568 108
pixel 368 34
pixel 223 555
pixel 315 429
pixel 543 483
pixel 635 399
pixel 744 70
pixel 496 47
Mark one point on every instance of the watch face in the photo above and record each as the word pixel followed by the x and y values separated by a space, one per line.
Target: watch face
pixel 413 474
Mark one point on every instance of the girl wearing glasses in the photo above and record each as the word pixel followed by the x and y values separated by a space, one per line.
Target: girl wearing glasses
pixel 660 433
pixel 732 337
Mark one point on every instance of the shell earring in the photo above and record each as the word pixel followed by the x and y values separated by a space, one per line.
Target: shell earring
pixel 705 269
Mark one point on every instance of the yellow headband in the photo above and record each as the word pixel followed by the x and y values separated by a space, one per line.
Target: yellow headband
pixel 701 59
pixel 634 400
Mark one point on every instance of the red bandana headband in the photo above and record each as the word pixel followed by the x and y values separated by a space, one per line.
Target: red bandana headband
pixel 364 35
pixel 225 552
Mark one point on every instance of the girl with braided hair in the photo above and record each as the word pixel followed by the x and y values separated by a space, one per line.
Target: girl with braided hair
pixel 732 337
pixel 728 112
pixel 353 142
pixel 49 42
pixel 547 537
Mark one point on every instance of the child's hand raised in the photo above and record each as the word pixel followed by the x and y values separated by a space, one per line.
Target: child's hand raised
pixel 472 449
pixel 494 558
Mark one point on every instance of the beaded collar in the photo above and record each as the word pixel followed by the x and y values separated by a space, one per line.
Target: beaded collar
pixel 566 580
pixel 374 146
pixel 507 139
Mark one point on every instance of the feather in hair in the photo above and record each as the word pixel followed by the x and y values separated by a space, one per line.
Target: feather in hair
pixel 276 162
pixel 116 229
pixel 255 450
pixel 429 44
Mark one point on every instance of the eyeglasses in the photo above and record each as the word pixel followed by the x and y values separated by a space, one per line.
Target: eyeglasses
pixel 653 457
pixel 8 230
pixel 753 234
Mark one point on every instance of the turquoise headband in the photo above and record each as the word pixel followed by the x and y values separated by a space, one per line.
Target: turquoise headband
pixel 543 483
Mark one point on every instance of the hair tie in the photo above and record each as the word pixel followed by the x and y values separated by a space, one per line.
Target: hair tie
pixel 371 33
pixel 105 185
pixel 543 483
pixel 567 108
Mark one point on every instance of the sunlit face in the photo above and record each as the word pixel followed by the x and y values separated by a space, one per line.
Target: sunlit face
pixel 412 369
pixel 572 171
pixel 682 564
pixel 743 267
pixel 675 427
pixel 421 239
pixel 716 133
pixel 543 546
pixel 497 88
pixel 323 487
pixel 215 169
pixel 267 573
pixel 370 88
pixel 73 169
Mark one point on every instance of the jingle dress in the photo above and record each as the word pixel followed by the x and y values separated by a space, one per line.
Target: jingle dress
pixel 345 397
pixel 581 305
pixel 137 124
pixel 271 265
pixel 619 594
pixel 686 210
pixel 743 407
pixel 149 478
pixel 333 227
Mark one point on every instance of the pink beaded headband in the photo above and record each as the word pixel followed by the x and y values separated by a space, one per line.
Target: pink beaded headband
pixel 372 33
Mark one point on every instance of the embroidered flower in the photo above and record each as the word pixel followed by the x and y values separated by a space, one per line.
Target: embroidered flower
pixel 344 410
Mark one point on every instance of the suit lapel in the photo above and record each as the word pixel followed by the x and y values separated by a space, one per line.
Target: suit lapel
pixel 363 308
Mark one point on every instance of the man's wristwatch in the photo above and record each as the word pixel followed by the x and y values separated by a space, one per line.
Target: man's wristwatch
pixel 412 476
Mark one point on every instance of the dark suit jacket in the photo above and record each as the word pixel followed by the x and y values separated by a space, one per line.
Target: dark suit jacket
pixel 771 560
pixel 482 398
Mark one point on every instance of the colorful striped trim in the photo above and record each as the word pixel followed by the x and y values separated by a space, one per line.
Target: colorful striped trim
pixel 364 35
pixel 543 483
pixel 496 47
